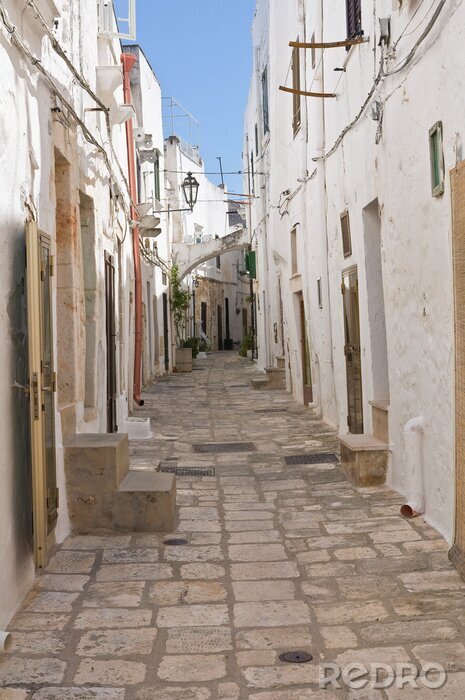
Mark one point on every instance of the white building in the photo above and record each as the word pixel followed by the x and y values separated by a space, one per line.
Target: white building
pixel 355 194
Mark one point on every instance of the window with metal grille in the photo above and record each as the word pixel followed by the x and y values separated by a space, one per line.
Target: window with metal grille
pixel 265 107
pixel 346 239
pixel 354 18
pixel 297 99
pixel 156 172
pixel 436 159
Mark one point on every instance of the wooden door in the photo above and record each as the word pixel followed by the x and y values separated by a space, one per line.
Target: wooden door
pixel 457 553
pixel 220 327
pixel 352 350
pixel 111 343
pixel 307 389
pixel 166 341
pixel 42 388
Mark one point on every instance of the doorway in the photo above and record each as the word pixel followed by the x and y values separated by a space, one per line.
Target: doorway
pixel 457 553
pixel 42 387
pixel 220 327
pixel 307 389
pixel 166 340
pixel 111 343
pixel 352 350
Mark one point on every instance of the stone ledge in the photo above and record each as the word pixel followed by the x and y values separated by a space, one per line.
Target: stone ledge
pixel 363 443
pixel 364 459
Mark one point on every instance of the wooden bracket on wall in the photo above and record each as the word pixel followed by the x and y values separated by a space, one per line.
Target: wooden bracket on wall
pixel 307 94
pixel 328 44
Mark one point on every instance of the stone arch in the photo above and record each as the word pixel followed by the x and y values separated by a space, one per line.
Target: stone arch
pixel 188 256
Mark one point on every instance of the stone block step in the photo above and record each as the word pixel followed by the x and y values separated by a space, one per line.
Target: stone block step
pixel 103 494
pixel 146 502
pixel 364 459
pixel 276 377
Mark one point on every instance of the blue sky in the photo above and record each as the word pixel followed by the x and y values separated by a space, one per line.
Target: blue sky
pixel 201 53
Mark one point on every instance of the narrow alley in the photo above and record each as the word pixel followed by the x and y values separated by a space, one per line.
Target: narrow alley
pixel 281 554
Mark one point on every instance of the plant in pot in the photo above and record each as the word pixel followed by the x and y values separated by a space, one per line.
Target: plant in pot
pixel 180 297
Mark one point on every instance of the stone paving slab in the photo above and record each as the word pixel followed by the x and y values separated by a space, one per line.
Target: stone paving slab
pixel 278 558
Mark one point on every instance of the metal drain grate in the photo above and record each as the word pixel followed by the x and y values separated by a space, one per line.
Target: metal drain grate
pixel 296 657
pixel 175 542
pixel 219 447
pixel 271 410
pixel 238 386
pixel 314 458
pixel 188 471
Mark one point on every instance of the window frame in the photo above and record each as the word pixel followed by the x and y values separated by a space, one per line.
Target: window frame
pixel 346 234
pixel 265 101
pixel 296 98
pixel 436 157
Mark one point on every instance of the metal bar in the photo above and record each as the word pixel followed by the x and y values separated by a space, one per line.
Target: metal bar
pixel 307 94
pixel 328 44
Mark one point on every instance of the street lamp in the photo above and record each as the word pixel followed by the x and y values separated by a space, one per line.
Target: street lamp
pixel 190 187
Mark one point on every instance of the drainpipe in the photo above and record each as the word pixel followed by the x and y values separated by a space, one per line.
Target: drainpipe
pixel 128 60
pixel 6 640
pixel 413 441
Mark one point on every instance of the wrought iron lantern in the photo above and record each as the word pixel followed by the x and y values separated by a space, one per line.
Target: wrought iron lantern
pixel 190 187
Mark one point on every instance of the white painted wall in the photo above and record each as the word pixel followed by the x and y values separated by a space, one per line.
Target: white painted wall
pixel 27 162
pixel 415 227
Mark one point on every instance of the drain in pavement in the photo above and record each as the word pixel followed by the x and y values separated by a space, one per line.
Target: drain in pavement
pixel 188 471
pixel 174 542
pixel 271 410
pixel 296 657
pixel 313 458
pixel 219 447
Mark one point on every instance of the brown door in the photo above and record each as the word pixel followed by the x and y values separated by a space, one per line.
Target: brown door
pixel 220 328
pixel 352 350
pixel 457 553
pixel 305 355
pixel 42 387
pixel 111 343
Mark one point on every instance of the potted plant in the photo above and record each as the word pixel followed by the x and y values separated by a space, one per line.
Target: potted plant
pixel 180 298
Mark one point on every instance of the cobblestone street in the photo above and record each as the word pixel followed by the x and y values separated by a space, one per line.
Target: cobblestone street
pixel 279 557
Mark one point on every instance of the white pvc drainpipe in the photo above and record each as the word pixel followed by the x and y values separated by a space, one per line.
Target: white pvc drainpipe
pixel 6 640
pixel 413 441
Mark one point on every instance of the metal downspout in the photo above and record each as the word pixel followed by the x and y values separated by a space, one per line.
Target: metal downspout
pixel 128 60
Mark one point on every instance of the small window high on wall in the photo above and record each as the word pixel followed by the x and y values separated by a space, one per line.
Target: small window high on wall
pixel 265 106
pixel 297 99
pixel 436 154
pixel 345 230
pixel 354 18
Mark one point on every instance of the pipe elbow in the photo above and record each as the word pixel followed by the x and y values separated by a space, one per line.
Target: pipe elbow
pixel 6 640
pixel 415 425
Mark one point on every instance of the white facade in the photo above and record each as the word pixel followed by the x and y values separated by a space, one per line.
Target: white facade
pixel 342 160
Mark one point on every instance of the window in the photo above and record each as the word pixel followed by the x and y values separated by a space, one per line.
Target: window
pixel 218 258
pixel 294 264
pixel 266 114
pixel 297 99
pixel 156 172
pixel 354 18
pixel 256 140
pixel 320 294
pixel 346 240
pixel 112 24
pixel 436 155
pixel 312 41
pixel 252 173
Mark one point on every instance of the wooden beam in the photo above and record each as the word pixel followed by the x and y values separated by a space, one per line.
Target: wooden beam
pixel 328 44
pixel 307 94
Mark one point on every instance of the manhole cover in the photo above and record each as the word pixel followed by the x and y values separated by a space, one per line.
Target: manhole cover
pixel 174 542
pixel 296 657
pixel 218 447
pixel 314 458
pixel 188 471
pixel 271 410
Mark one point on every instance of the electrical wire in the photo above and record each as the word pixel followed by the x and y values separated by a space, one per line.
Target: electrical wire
pixel 233 172
pixel 36 62
pixel 382 74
